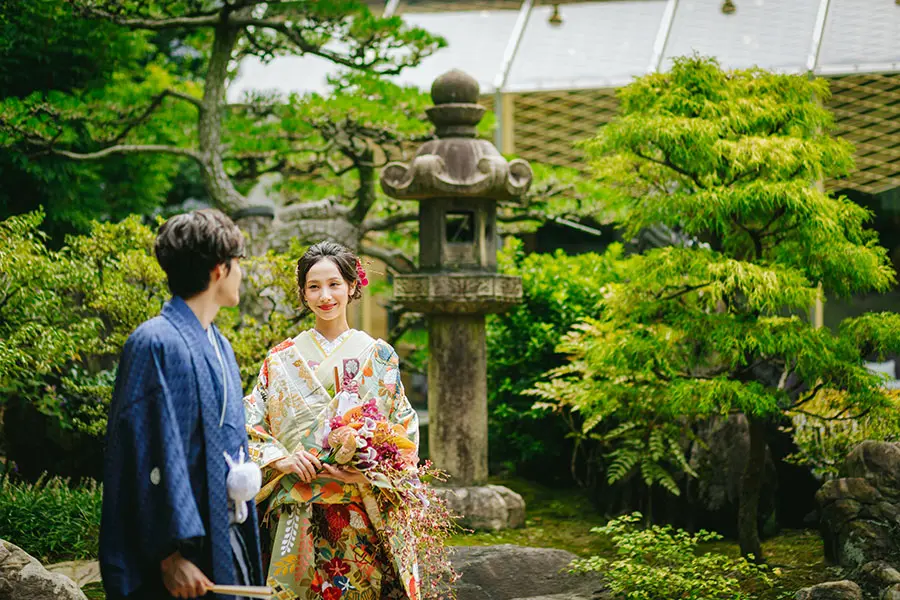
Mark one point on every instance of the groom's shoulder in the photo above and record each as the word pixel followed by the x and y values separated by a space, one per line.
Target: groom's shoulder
pixel 155 334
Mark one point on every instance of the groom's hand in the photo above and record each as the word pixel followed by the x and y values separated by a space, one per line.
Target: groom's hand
pixel 183 578
pixel 303 463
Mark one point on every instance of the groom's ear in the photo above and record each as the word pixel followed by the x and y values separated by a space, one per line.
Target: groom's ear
pixel 217 273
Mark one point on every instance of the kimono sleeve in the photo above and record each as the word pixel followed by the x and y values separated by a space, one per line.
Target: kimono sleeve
pixel 263 445
pixel 150 502
pixel 400 410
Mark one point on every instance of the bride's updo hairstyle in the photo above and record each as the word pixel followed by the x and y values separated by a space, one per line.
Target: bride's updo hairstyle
pixel 347 263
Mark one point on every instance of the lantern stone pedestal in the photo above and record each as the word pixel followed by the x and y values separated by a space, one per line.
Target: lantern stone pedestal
pixel 458 180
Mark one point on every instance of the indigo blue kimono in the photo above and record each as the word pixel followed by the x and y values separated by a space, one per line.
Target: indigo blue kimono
pixel 164 476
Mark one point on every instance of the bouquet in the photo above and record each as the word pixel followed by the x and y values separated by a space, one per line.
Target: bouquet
pixel 363 438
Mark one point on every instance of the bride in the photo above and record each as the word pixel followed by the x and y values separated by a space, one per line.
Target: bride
pixel 330 537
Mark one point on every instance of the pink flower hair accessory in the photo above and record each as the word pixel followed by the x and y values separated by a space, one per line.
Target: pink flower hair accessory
pixel 361 274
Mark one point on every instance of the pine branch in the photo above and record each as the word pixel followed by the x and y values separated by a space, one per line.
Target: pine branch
pixel 385 223
pixel 209 19
pixel 129 149
pixel 283 26
pixel 327 208
pixel 155 103
pixel 395 259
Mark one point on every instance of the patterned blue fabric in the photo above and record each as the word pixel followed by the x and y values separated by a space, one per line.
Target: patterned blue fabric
pixel 164 472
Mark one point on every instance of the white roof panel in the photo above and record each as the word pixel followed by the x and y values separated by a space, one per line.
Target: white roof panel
pixel 771 34
pixel 598 44
pixel 860 36
pixel 476 41
pixel 285 74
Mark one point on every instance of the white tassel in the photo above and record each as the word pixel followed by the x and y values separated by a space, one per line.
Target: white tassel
pixel 244 482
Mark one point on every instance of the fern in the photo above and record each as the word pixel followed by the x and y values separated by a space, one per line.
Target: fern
pixel 623 462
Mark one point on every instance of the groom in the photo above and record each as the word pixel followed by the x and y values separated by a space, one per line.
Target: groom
pixel 168 526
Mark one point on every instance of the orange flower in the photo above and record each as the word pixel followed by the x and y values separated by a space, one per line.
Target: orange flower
pixel 304 490
pixel 332 488
pixel 317 581
pixel 352 414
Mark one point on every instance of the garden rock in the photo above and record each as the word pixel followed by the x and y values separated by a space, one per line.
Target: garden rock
pixel 485 507
pixel 860 512
pixel 22 577
pixel 509 572
pixel 82 572
pixel 833 590
pixel 876 576
pixel 891 593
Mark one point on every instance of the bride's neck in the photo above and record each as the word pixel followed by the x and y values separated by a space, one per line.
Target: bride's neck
pixel 332 328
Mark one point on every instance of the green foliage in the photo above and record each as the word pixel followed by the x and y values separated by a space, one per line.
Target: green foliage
pixel 162 100
pixel 658 563
pixel 67 313
pixel 825 437
pixel 559 291
pixel 560 517
pixel 652 450
pixel 711 326
pixel 51 62
pixel 330 151
pixel 50 519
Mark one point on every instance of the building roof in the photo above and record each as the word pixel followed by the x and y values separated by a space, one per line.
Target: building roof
pixel 562 75
pixel 607 43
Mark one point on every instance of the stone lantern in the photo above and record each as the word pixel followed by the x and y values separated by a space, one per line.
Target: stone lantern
pixel 458 180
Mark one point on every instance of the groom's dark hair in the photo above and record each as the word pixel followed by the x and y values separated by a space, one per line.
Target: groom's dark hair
pixel 190 245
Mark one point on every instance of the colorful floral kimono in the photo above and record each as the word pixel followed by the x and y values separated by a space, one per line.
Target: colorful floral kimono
pixel 328 540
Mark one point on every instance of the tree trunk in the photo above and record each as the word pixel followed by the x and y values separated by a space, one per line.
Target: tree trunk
pixel 217 182
pixel 751 486
pixel 365 194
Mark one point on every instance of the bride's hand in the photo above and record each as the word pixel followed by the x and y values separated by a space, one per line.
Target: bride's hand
pixel 344 475
pixel 303 463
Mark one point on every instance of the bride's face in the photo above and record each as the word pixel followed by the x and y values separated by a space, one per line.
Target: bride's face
pixel 326 292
